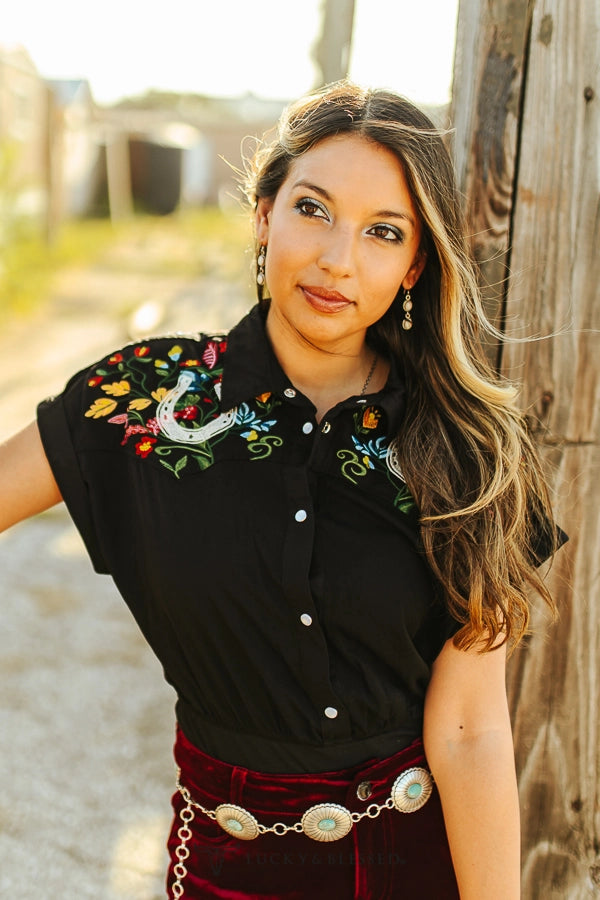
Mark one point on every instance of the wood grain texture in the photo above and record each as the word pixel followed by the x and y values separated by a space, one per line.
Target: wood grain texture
pixel 488 78
pixel 554 287
pixel 532 185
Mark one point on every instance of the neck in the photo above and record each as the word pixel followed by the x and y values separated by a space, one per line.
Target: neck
pixel 328 375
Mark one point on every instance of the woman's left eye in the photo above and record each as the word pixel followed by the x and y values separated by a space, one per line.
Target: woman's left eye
pixel 386 232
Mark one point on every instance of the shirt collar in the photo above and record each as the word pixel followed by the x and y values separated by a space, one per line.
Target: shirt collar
pixel 251 369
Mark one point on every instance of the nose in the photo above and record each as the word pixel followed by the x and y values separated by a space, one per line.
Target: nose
pixel 337 254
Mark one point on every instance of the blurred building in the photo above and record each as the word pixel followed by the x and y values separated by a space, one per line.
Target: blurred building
pixel 63 156
pixel 23 135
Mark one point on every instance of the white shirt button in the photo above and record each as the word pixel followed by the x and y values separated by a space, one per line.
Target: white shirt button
pixel 290 392
pixel 306 619
pixel 307 427
pixel 301 515
pixel 326 428
pixel 331 712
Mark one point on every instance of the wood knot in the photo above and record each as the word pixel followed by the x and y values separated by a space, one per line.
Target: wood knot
pixel 546 401
pixel 577 804
pixel 588 93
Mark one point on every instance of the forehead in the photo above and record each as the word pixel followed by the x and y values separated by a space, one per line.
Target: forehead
pixel 352 164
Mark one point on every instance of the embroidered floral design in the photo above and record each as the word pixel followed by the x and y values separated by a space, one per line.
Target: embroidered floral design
pixel 371 417
pixel 131 401
pixel 372 453
pixel 103 406
pixel 144 447
pixel 252 422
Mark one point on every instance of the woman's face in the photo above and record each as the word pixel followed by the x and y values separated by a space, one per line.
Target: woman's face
pixel 343 236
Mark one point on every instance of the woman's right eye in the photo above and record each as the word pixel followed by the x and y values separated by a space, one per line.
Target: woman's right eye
pixel 311 208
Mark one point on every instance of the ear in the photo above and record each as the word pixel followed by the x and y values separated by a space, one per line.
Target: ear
pixel 414 273
pixel 262 219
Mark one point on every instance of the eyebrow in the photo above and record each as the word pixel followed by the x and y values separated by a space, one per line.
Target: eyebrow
pixel 380 213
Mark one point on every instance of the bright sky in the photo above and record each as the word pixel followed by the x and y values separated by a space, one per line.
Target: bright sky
pixel 230 47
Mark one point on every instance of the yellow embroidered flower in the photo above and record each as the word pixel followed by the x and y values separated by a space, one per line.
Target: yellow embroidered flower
pixel 101 407
pixel 117 388
pixel 140 403
pixel 262 398
pixel 371 417
pixel 251 435
pixel 159 394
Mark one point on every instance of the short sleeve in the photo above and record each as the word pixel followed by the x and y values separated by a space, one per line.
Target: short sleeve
pixel 57 422
pixel 545 537
pixel 105 421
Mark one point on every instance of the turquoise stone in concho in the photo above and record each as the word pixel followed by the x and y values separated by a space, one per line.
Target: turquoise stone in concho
pixel 326 822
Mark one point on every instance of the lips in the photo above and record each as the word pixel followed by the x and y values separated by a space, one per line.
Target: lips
pixel 325 300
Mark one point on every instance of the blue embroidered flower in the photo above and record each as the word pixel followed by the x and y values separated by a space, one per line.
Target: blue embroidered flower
pixel 376 449
pixel 245 416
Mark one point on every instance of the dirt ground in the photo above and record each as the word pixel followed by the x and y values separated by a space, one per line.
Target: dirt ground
pixel 86 721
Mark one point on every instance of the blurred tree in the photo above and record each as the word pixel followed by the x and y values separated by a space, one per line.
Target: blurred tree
pixel 332 50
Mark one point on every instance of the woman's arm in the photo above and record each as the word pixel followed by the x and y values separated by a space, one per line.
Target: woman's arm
pixel 27 485
pixel 469 748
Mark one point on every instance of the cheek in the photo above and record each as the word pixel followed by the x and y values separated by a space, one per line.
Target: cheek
pixel 286 255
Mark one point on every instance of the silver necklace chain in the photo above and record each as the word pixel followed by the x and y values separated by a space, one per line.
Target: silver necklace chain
pixel 370 375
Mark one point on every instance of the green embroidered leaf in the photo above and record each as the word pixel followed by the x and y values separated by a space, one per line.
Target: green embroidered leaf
pixel 179 465
pixel 203 460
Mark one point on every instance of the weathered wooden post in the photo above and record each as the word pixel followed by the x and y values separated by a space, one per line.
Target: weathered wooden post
pixel 526 106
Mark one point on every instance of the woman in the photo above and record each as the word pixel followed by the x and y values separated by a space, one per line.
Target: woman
pixel 325 524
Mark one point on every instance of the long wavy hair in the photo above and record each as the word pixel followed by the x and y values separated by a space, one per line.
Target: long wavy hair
pixel 463 446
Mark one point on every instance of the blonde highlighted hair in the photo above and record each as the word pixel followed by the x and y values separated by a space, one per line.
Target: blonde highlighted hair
pixel 463 446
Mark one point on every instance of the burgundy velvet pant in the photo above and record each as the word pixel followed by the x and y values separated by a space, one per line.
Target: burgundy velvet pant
pixel 404 856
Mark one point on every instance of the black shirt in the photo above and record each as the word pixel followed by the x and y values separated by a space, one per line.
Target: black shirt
pixel 272 563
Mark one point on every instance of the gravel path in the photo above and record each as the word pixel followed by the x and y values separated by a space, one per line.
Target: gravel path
pixel 86 721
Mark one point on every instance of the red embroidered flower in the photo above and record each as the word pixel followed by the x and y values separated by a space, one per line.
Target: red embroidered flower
pixel 153 426
pixel 95 380
pixel 133 429
pixel 145 446
pixel 142 351
pixel 115 358
pixel 189 413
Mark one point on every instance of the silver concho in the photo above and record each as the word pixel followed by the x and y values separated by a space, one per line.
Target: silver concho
pixel 412 790
pixel 326 822
pixel 237 821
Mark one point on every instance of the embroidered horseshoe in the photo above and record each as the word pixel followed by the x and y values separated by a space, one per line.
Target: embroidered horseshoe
pixel 170 427
pixel 393 462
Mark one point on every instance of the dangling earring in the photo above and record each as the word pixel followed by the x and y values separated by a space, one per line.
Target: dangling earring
pixel 260 265
pixel 407 322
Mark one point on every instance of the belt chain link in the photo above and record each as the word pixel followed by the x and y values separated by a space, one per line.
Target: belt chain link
pixel 323 822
